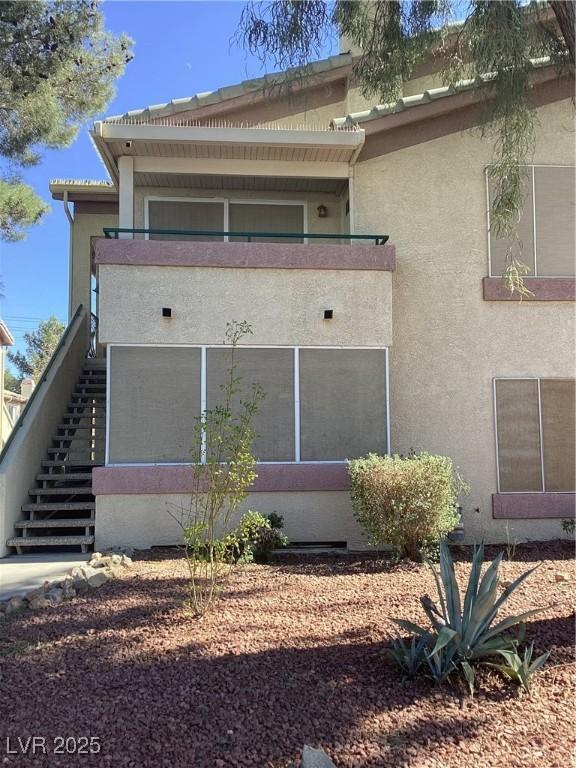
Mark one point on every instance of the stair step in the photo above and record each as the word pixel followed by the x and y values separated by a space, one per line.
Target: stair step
pixel 79 426
pixel 73 463
pixel 88 395
pixel 101 406
pixel 99 387
pixel 64 491
pixel 59 506
pixel 56 523
pixel 65 476
pixel 49 541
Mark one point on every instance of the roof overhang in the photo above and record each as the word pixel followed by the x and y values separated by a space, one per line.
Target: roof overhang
pixel 75 190
pixel 6 338
pixel 228 150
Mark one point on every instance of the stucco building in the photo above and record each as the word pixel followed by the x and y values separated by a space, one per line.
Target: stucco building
pixel 355 240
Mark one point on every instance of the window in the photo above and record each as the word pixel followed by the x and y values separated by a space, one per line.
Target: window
pixel 321 405
pixel 547 226
pixel 535 421
pixel 170 213
pixel 342 403
pixel 154 398
pixel 222 215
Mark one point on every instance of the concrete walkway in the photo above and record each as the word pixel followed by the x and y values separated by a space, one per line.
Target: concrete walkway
pixel 21 573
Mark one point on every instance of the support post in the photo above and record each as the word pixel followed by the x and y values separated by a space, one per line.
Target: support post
pixel 126 194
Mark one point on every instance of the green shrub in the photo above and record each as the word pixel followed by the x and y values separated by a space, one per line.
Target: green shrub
pixel 465 634
pixel 409 502
pixel 270 538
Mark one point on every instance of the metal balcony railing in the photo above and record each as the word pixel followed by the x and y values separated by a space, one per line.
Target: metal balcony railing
pixel 115 232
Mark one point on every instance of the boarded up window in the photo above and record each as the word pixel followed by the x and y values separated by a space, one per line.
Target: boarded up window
pixel 547 226
pixel 536 434
pixel 273 369
pixel 154 399
pixel 261 217
pixel 558 427
pixel 342 403
pixel 182 215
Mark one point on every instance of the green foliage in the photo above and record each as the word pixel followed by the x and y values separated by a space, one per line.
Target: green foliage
pixel 270 538
pixel 20 207
pixel 569 526
pixel 407 502
pixel 464 634
pixel 520 669
pixel 223 469
pixel 243 540
pixel 494 44
pixel 57 68
pixel 40 346
pixel 11 382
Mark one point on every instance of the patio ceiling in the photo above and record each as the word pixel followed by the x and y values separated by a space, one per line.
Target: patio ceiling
pixel 228 150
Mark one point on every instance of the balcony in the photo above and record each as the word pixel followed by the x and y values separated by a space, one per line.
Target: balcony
pixel 324 289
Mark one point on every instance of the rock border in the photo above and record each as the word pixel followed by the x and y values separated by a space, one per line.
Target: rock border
pixel 79 580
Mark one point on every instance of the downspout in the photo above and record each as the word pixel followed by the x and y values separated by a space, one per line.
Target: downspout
pixel 70 253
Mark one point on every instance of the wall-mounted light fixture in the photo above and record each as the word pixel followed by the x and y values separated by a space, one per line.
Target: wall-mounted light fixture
pixel 322 211
pixel 128 144
pixel 166 311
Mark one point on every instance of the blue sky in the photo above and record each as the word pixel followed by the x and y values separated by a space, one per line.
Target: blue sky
pixel 180 48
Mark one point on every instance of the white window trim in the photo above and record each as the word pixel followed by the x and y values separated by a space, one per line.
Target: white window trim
pixel 203 397
pixel 539 379
pixel 227 202
pixel 532 166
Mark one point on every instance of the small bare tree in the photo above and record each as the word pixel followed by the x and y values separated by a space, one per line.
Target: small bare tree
pixel 223 468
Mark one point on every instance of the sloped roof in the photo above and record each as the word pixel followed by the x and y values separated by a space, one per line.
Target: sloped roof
pixel 6 338
pixel 432 94
pixel 229 92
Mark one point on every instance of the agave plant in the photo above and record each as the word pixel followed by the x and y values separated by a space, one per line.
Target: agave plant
pixel 465 633
pixel 410 656
pixel 520 669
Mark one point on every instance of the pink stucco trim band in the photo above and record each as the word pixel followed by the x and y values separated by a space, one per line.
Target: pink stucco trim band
pixel 160 253
pixel 166 479
pixel 533 505
pixel 543 288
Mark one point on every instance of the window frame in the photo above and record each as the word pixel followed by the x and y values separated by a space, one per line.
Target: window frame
pixel 535 274
pixel 203 397
pixel 227 201
pixel 538 379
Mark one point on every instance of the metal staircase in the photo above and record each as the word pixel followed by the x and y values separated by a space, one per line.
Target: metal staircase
pixel 63 507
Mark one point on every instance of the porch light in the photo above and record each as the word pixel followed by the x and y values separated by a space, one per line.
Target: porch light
pixel 322 212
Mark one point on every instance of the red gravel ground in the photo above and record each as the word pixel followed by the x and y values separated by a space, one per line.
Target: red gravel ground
pixel 294 654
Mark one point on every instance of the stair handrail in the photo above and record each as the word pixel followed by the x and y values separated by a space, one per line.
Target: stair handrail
pixel 20 421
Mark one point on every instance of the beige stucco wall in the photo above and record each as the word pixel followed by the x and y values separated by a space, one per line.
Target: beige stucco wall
pixel 448 343
pixel 143 521
pixel 284 306
pixel 332 224
pixel 86 225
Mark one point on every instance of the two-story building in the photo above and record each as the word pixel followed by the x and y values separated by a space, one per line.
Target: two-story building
pixel 355 239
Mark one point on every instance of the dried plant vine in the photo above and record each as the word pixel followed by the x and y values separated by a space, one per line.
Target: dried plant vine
pixel 495 44
pixel 223 468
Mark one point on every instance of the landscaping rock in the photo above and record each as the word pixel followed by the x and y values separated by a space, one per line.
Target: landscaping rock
pixel 55 595
pixel 16 604
pixel 39 602
pixel 97 578
pixel 315 758
pixel 126 561
pixel 561 576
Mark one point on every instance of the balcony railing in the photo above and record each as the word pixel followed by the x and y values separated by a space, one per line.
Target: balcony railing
pixel 116 232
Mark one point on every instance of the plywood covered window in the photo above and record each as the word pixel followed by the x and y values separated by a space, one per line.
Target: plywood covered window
pixel 535 421
pixel 154 399
pixel 547 226
pixel 320 405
